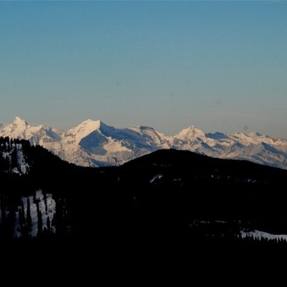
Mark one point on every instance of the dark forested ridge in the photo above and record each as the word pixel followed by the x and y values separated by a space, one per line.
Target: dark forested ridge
pixel 167 194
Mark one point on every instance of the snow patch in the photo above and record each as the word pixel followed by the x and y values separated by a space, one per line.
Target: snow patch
pixel 23 166
pixel 15 151
pixel 256 234
pixel 38 212
pixel 156 178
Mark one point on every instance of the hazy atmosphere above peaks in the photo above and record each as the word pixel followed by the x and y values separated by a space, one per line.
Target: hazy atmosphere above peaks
pixel 216 65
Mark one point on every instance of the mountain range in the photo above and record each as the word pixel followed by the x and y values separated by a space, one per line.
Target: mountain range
pixel 95 144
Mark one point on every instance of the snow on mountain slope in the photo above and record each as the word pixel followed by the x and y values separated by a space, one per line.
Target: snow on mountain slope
pixel 191 133
pixel 153 137
pixel 193 139
pixel 13 159
pixel 245 146
pixel 93 143
pixel 31 216
pixel 76 134
pixel 39 135
pixel 259 235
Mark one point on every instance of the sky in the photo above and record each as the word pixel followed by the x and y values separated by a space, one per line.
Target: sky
pixel 166 64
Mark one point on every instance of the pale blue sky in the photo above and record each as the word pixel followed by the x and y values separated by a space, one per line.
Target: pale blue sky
pixel 216 65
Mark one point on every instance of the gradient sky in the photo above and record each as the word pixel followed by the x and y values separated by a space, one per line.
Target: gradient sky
pixel 216 65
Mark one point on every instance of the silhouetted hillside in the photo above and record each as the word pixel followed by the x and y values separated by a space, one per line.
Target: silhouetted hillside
pixel 167 194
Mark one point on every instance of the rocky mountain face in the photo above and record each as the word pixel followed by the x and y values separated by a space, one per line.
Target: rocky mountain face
pixel 94 143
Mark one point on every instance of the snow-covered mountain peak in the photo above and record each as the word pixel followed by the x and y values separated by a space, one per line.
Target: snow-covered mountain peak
pixel 21 129
pixel 96 124
pixel 20 121
pixel 190 133
pixel 83 129
pixel 248 138
pixel 19 124
pixel 93 143
pixel 89 125
pixel 15 129
pixel 153 136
